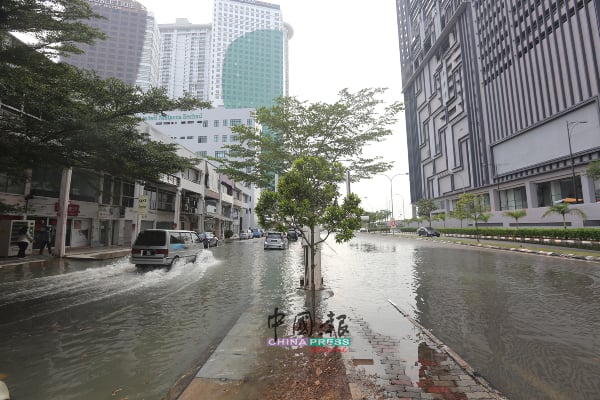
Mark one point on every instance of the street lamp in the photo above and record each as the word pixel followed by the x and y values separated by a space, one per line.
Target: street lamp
pixel 392 190
pixel 398 194
pixel 572 124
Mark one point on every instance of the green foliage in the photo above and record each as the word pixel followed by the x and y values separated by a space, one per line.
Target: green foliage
pixel 563 209
pixel 440 217
pixel 307 197
pixel 228 233
pixel 593 170
pixel 66 117
pixel 474 208
pixel 425 207
pixel 56 26
pixel 294 129
pixel 516 214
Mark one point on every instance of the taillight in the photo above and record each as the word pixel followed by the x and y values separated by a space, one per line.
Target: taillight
pixel 136 251
pixel 163 251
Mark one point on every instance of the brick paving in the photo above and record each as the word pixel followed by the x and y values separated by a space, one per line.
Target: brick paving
pixel 376 370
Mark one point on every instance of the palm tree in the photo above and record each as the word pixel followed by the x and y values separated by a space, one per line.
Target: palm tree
pixel 563 209
pixel 516 214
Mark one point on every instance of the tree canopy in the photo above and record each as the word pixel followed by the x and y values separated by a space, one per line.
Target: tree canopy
pixel 425 207
pixel 292 129
pixel 307 197
pixel 55 115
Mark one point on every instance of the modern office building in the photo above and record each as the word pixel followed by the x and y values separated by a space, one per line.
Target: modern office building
pixel 249 54
pixel 502 101
pixel 184 60
pixel 130 52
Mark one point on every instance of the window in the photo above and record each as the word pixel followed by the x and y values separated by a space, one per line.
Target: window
pixel 224 138
pixel 205 123
pixel 216 123
pixel 201 153
pixel 250 122
pixel 225 122
pixel 220 154
pixel 234 138
pixel 202 139
pixel 216 138
pixel 513 199
pixel 235 122
pixel 190 137
pixel 8 185
pixel 128 194
pixel 552 192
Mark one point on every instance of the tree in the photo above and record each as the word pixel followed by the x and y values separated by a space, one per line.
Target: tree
pixel 424 209
pixel 563 210
pixel 90 123
pixel 516 214
pixel 440 217
pixel 292 129
pixel 593 170
pixel 55 115
pixel 307 197
pixel 474 208
pixel 56 27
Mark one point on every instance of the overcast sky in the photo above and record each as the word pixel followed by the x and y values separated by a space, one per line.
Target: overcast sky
pixel 337 44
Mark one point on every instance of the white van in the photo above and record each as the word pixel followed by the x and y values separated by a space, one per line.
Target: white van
pixel 162 247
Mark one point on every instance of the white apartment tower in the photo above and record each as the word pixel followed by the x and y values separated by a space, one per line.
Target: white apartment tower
pixel 184 62
pixel 148 75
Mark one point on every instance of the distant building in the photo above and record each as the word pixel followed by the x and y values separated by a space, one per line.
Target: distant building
pixel 185 58
pixel 249 54
pixel 502 101
pixel 130 53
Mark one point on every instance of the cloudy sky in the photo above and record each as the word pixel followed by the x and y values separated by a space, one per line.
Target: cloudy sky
pixel 337 44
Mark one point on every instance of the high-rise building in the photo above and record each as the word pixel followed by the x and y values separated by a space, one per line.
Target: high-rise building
pixel 185 54
pixel 130 52
pixel 502 101
pixel 249 53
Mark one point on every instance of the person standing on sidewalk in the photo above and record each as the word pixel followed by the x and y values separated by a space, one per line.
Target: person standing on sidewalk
pixel 23 241
pixel 46 238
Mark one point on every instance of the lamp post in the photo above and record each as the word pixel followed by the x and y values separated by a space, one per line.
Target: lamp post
pixel 402 197
pixel 392 189
pixel 570 125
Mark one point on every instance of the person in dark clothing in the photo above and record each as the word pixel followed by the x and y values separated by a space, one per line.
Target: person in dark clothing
pixel 23 241
pixel 46 238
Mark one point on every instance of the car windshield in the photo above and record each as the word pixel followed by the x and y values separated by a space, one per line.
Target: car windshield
pixel 274 235
pixel 151 238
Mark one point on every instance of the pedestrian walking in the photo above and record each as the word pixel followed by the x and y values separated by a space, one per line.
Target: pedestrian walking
pixel 46 238
pixel 23 241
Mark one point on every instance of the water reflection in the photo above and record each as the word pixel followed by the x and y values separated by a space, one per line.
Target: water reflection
pixel 528 324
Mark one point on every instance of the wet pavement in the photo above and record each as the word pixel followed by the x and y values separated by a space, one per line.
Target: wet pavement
pixel 392 355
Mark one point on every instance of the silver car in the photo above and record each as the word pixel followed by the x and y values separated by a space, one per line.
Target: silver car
pixel 275 240
pixel 163 247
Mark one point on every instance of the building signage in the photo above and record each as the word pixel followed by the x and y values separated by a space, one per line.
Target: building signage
pixel 72 209
pixel 142 205
pixel 166 117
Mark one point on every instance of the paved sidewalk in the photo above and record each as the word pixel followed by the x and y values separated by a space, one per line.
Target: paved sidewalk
pixel 83 253
pixel 379 368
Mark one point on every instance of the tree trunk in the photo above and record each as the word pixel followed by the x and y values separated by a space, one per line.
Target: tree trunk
pixel 312 272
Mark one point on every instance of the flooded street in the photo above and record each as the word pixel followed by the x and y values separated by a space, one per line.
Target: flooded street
pixel 94 330
pixel 530 325
pixel 90 330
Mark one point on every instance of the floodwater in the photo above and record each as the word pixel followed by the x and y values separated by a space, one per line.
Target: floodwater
pixel 529 324
pixel 94 330
pixel 97 330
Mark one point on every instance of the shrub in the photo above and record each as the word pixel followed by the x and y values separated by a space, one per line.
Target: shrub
pixel 228 233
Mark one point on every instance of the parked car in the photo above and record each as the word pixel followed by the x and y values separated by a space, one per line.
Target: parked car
pixel 427 231
pixel 292 235
pixel 209 239
pixel 256 233
pixel 245 235
pixel 163 247
pixel 275 240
